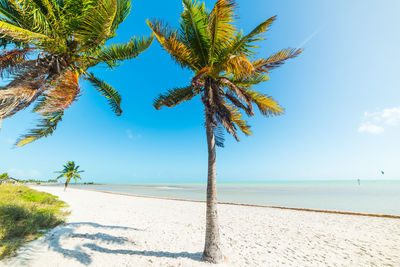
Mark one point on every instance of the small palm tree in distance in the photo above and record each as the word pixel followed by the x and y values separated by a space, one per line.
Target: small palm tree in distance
pixel 70 171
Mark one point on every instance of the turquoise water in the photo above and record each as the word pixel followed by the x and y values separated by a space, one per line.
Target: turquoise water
pixel 381 197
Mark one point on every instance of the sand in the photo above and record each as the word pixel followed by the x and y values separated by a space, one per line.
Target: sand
pixel 115 230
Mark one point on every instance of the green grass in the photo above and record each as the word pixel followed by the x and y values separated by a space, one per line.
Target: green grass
pixel 25 214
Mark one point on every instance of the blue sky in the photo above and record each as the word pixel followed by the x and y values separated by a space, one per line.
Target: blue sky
pixel 341 97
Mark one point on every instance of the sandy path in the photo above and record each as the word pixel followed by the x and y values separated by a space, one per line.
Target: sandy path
pixel 114 230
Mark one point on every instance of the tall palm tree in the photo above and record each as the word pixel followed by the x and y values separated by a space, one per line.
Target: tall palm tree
pixel 49 45
pixel 70 171
pixel 221 59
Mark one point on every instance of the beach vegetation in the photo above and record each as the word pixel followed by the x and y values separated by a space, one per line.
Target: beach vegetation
pixel 25 214
pixel 49 46
pixel 222 60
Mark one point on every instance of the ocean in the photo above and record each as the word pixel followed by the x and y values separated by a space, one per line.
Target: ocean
pixel 378 197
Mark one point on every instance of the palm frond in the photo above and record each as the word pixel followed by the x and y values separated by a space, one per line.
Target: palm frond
pixel 248 108
pixel 96 26
pixel 75 11
pixel 168 39
pixel 239 66
pixel 60 95
pixel 26 86
pixel 174 97
pixel 17 101
pixel 117 52
pixel 38 15
pixel 9 11
pixel 123 10
pixel 223 117
pixel 194 33
pixel 239 92
pixel 47 125
pixel 106 90
pixel 11 99
pixel 266 104
pixel 18 34
pixel 276 60
pixel 219 136
pixel 236 117
pixel 220 27
pixel 242 44
pixel 249 81
pixel 11 60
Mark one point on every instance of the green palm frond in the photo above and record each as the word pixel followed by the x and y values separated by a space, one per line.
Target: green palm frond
pixel 74 12
pixel 249 81
pixel 96 26
pixel 8 10
pixel 112 95
pixel 39 14
pixel 194 29
pixel 123 10
pixel 47 125
pixel 220 27
pixel 242 44
pixel 117 52
pixel 18 34
pixel 175 97
pixel 169 41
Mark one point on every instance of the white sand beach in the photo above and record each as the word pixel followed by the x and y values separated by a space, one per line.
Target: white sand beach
pixel 115 230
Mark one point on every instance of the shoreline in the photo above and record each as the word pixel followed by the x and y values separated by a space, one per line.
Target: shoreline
pixel 251 205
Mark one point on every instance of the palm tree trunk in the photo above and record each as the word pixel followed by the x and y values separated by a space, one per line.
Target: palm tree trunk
pixel 212 249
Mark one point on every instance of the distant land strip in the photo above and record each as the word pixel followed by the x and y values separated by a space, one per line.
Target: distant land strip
pixel 250 205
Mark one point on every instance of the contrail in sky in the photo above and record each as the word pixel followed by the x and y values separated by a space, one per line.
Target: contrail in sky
pixel 309 38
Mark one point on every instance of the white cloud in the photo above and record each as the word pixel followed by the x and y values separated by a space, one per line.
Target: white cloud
pixel 370 128
pixel 391 116
pixel 375 122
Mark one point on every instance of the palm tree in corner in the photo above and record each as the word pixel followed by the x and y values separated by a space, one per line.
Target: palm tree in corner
pixel 224 71
pixel 50 46
pixel 70 171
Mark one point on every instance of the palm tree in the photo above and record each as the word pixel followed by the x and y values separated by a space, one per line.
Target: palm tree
pixel 49 45
pixel 221 59
pixel 69 172
pixel 4 176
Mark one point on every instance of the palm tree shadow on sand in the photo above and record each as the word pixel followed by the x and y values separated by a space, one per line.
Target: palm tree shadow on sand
pixel 61 234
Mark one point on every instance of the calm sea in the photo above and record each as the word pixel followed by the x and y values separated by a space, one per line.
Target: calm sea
pixel 381 197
